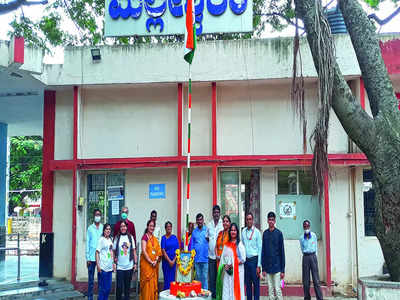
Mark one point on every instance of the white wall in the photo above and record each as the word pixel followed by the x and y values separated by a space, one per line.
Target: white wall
pixel 215 60
pixel 200 194
pixel 256 118
pixel 62 224
pixel 64 124
pixel 129 121
pixel 201 119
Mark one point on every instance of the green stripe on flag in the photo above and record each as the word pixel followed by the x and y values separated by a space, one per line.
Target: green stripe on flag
pixel 189 56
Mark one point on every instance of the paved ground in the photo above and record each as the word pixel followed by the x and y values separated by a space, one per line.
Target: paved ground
pixel 29 269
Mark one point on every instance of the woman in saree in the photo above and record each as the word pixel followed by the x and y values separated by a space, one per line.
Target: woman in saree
pixel 223 237
pixel 230 278
pixel 149 262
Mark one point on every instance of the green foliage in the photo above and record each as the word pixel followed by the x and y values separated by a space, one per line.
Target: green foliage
pixel 88 19
pixel 25 169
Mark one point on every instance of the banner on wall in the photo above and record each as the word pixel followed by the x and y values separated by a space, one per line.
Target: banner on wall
pixel 167 17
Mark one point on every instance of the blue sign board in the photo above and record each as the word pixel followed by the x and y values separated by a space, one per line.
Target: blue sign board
pixel 157 191
pixel 167 17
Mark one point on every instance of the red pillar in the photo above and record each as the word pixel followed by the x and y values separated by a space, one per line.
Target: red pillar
pixel 49 113
pixel 362 93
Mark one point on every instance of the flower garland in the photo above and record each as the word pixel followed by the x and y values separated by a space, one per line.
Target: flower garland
pixel 186 270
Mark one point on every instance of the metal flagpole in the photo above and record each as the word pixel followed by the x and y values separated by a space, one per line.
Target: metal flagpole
pixel 188 158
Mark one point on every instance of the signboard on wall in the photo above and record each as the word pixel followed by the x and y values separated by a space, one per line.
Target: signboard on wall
pixel 167 17
pixel 157 191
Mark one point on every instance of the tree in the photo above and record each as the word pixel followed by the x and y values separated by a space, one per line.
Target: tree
pixel 377 136
pixel 14 4
pixel 25 170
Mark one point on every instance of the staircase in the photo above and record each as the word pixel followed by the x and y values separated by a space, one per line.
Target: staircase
pixel 56 290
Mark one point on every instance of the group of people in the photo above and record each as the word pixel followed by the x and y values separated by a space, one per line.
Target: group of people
pixel 227 259
pixel 108 254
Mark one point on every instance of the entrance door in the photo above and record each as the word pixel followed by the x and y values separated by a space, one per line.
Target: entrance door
pixel 240 193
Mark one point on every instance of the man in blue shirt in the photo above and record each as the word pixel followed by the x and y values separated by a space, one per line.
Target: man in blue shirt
pixel 92 237
pixel 200 244
pixel 251 238
pixel 273 257
pixel 308 245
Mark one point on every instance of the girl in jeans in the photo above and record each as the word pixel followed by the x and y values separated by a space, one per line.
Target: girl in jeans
pixel 125 256
pixel 105 262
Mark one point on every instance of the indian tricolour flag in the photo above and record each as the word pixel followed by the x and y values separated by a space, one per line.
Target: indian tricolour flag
pixel 190 32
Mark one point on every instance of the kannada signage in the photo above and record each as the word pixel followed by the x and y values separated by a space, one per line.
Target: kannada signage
pixel 167 17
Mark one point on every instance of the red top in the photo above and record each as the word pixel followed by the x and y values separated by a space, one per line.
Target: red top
pixel 131 228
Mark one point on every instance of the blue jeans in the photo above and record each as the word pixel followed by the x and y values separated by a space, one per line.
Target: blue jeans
pixel 202 274
pixel 91 269
pixel 105 280
pixel 251 279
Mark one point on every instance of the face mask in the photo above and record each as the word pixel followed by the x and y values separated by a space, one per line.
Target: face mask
pixel 97 219
pixel 124 216
pixel 307 231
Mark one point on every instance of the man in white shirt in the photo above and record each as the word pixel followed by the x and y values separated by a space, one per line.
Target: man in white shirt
pixel 252 241
pixel 157 229
pixel 213 228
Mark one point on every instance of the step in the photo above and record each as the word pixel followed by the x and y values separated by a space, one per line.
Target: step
pixel 25 291
pixel 70 295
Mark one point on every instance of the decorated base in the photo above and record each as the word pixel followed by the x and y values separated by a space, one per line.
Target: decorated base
pixel 185 288
pixel 166 295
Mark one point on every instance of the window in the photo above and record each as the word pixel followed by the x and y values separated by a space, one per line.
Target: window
pixel 294 182
pixel 105 192
pixel 369 203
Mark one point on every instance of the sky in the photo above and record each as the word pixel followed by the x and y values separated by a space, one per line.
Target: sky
pixel 35 12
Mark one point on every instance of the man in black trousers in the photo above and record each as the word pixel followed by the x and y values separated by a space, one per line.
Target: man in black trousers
pixel 308 245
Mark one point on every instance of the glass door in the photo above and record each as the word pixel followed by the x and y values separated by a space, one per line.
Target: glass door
pixel 230 195
pixel 240 194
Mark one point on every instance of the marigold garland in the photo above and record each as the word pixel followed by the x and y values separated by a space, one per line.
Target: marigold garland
pixel 186 270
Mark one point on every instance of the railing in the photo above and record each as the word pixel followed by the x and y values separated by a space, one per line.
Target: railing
pixel 18 249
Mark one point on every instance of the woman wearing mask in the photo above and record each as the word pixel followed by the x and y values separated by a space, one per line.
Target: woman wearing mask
pixel 105 262
pixel 125 257
pixel 230 278
pixel 223 237
pixel 149 261
pixel 169 244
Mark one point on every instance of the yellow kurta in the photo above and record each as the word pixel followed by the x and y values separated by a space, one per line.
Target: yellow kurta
pixel 148 273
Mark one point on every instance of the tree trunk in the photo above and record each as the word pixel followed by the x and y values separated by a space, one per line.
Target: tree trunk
pixel 378 138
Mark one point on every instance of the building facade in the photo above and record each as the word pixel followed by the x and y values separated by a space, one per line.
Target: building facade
pixel 115 135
